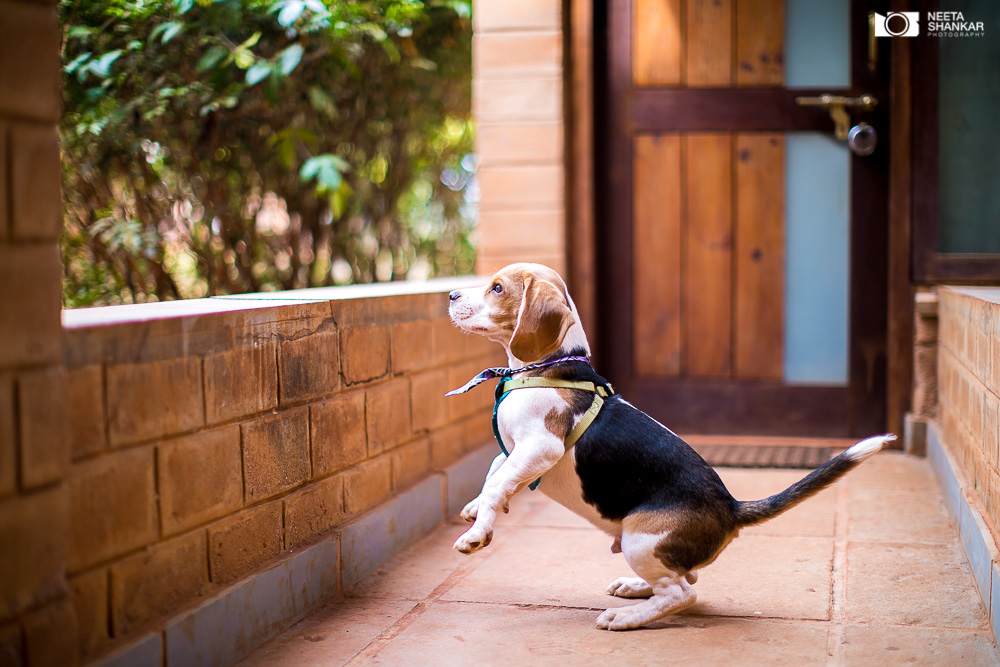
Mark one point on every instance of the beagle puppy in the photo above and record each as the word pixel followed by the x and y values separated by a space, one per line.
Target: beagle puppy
pixel 664 506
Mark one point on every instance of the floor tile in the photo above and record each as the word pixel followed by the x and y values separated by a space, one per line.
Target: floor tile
pixel 415 573
pixel 814 517
pixel 911 584
pixel 464 634
pixel 895 645
pixel 890 514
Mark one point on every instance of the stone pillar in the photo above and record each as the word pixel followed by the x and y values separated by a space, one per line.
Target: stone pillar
pixel 37 622
pixel 518 108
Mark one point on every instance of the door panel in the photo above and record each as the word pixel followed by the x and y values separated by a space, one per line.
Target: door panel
pixel 715 265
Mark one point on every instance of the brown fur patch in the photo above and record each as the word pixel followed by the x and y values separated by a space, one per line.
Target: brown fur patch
pixel 692 538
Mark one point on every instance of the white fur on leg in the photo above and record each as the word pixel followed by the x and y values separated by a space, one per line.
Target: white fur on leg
pixel 630 587
pixel 869 446
pixel 670 595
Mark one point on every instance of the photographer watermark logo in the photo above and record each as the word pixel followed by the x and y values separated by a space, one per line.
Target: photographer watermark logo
pixel 897 24
pixel 952 24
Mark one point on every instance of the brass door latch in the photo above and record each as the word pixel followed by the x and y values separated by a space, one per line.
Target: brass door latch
pixel 837 106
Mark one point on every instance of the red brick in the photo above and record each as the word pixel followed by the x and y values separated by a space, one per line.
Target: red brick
pixel 275 453
pixel 387 411
pixel 310 366
pixel 8 438
pixel 244 542
pixel 44 428
pixel 200 478
pixel 29 49
pixel 30 325
pixel 339 435
pixel 367 484
pixel 410 463
pixel 447 445
pixel 364 353
pixel 89 595
pixel 241 382
pixel 427 399
pixel 112 506
pixel 313 510
pixel 34 571
pixel 36 182
pixel 157 582
pixel 155 399
pixel 85 390
pixel 411 346
pixel 50 635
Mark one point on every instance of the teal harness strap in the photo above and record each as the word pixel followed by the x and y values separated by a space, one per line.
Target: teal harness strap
pixel 588 418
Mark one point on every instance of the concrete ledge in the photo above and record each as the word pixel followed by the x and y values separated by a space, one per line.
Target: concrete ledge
pixel 976 537
pixel 144 652
pixel 225 628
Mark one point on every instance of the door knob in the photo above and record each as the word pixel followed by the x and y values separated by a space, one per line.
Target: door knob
pixel 837 106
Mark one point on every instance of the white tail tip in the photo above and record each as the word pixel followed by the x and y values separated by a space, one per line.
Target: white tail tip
pixel 869 446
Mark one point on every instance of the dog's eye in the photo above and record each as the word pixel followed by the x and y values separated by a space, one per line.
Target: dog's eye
pixel 497 288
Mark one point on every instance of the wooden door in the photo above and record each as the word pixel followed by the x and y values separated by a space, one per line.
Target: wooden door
pixel 692 233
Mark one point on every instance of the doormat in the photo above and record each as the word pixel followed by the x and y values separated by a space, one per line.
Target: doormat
pixel 765 456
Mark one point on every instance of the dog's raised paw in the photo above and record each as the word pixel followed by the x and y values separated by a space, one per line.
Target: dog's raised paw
pixel 472 541
pixel 630 587
pixel 471 510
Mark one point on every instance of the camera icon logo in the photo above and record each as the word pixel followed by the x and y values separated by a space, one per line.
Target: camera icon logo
pixel 897 24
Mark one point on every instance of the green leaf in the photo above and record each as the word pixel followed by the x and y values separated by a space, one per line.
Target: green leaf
pixel 290 58
pixel 326 169
pixel 76 62
pixel 102 66
pixel 257 72
pixel 211 58
pixel 243 58
pixel 291 12
pixel 183 6
pixel 168 31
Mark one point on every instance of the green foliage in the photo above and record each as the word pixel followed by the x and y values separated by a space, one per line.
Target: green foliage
pixel 226 146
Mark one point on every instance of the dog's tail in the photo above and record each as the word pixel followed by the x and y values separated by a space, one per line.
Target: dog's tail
pixel 753 512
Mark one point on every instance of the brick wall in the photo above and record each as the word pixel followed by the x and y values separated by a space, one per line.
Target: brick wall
pixel 969 387
pixel 519 112
pixel 37 623
pixel 203 447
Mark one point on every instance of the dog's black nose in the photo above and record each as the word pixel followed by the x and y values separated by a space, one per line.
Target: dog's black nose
pixel 454 294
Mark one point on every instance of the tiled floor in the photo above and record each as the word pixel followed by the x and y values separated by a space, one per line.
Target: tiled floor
pixel 870 572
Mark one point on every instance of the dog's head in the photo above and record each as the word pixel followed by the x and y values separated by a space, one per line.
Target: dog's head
pixel 525 308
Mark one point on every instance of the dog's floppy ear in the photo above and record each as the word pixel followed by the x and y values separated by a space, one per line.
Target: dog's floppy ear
pixel 542 321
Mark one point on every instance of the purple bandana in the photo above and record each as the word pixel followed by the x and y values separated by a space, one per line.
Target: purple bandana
pixel 501 371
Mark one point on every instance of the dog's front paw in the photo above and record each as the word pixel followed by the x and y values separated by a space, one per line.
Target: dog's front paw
pixel 471 510
pixel 621 618
pixel 473 540
pixel 630 587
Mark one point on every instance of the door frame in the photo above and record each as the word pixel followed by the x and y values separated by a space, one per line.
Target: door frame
pixel 597 103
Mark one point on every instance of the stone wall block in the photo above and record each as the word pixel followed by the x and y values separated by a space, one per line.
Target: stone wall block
pixel 155 399
pixel 447 445
pixel 29 40
pixel 411 346
pixel 447 342
pixel 462 405
pixel 243 543
pixel 364 353
pixel 85 391
pixel 427 400
pixel 112 506
pixel 200 478
pixel 313 511
pixel 50 635
pixel 157 582
pixel 241 382
pixel 42 416
pixel 275 453
pixel 367 484
pixel 526 187
pixel 489 16
pixel 520 54
pixel 339 434
pixel 387 409
pixel 410 463
pixel 35 180
pixel 8 437
pixel 30 325
pixel 89 594
pixel 310 366
pixel 34 572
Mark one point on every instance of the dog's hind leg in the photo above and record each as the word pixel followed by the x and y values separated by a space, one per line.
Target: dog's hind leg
pixel 630 587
